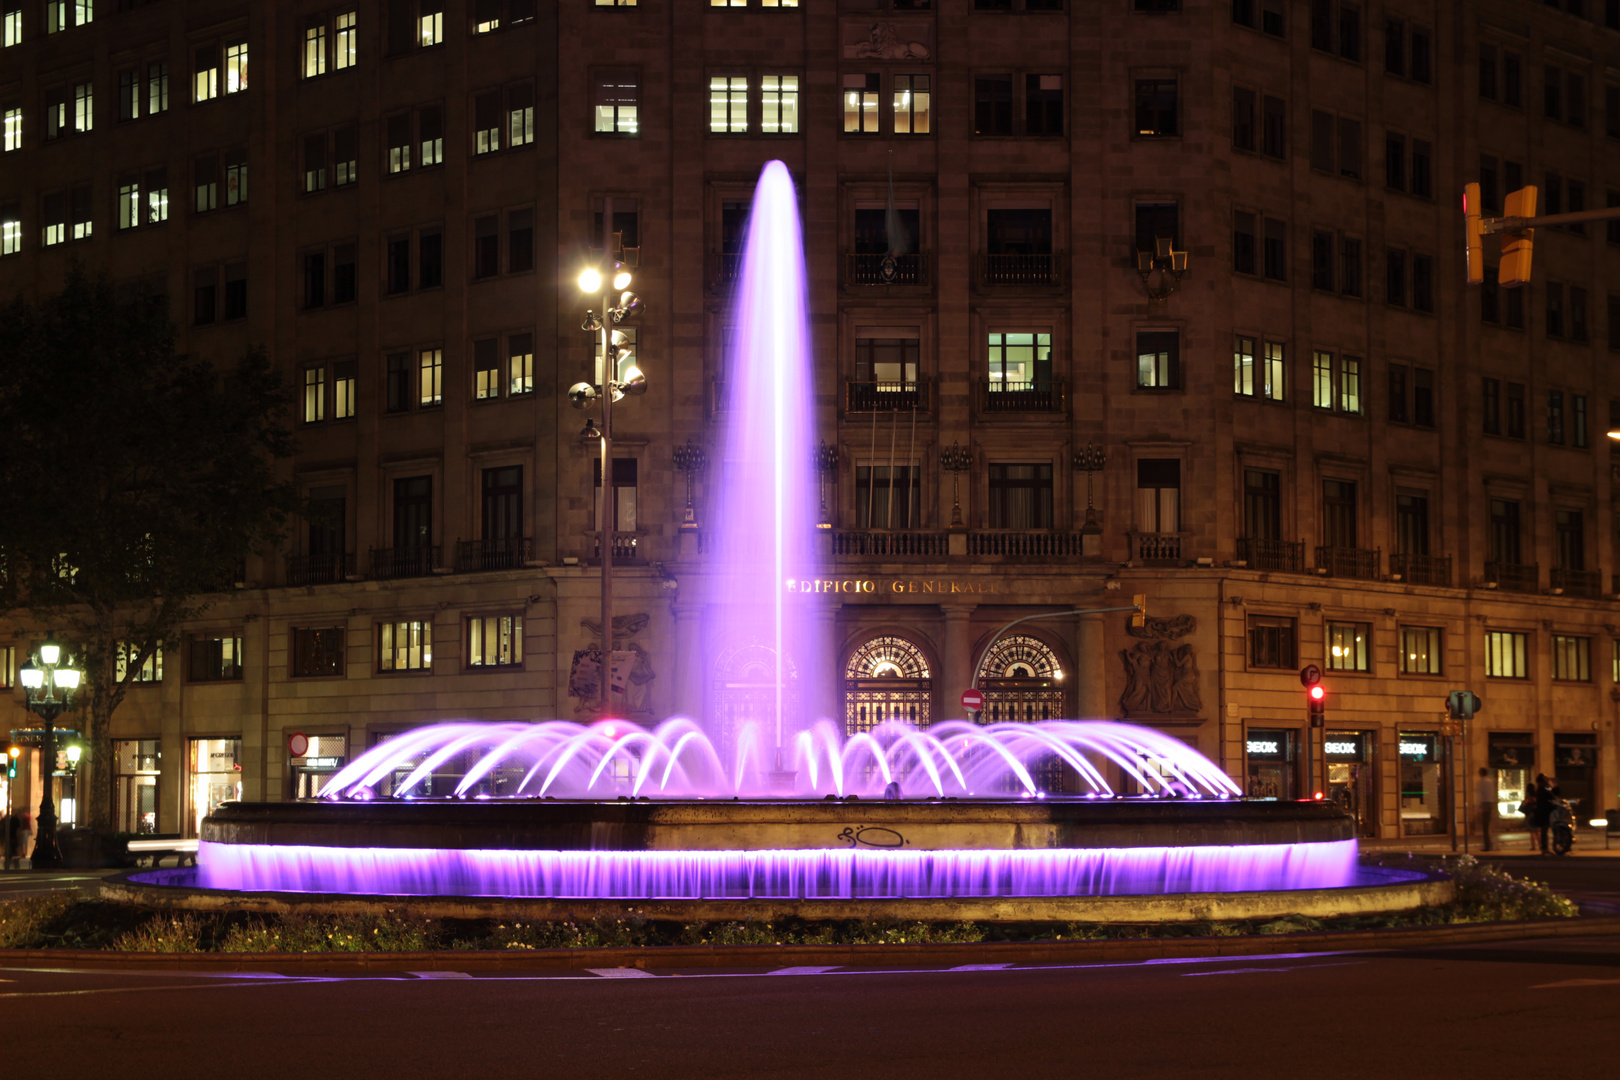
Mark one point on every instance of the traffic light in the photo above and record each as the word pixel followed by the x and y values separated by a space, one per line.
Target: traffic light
pixel 1316 697
pixel 1139 616
pixel 1476 239
pixel 1463 704
pixel 1516 246
pixel 11 762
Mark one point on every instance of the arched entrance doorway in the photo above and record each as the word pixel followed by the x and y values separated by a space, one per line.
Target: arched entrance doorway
pixel 887 678
pixel 1022 683
pixel 745 692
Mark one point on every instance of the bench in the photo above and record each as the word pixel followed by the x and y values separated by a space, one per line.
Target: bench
pixel 157 847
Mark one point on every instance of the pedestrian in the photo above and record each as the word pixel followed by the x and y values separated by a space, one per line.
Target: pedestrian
pixel 1546 793
pixel 1485 787
pixel 5 841
pixel 15 838
pixel 1527 810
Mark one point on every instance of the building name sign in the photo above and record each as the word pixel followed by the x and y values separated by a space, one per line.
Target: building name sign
pixel 1340 748
pixel 1414 749
pixel 894 586
pixel 1264 746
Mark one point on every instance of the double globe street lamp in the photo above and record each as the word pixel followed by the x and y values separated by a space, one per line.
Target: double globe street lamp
pixel 617 374
pixel 50 681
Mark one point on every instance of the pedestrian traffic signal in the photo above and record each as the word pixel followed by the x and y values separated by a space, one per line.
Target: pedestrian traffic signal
pixel 1516 246
pixel 1476 238
pixel 1316 698
pixel 1463 704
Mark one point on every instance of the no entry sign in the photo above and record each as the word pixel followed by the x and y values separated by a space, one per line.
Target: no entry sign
pixel 972 699
pixel 298 744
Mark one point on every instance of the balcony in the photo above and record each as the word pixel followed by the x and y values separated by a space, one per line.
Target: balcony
pixel 892 545
pixel 506 553
pixel 1350 562
pixel 861 268
pixel 1156 549
pixel 1025 544
pixel 319 569
pixel 1515 577
pixel 1019 269
pixel 1422 569
pixel 626 546
pixel 405 562
pixel 1284 555
pixel 730 268
pixel 886 396
pixel 996 396
pixel 1587 584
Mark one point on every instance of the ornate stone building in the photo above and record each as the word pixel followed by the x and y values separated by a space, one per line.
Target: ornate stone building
pixel 1313 444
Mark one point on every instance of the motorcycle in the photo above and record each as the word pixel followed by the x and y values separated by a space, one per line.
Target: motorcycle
pixel 1562 823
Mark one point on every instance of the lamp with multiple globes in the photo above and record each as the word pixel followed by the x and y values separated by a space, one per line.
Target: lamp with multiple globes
pixel 50 680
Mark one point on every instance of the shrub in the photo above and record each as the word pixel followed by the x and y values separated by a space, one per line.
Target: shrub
pixel 1487 893
pixel 23 922
pixel 364 932
pixel 164 934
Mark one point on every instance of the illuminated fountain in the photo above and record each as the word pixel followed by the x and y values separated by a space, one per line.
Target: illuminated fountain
pixel 769 811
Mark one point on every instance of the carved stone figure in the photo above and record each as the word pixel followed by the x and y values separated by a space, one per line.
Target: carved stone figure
pixel 885 43
pixel 632 663
pixel 1161 679
pixel 1175 627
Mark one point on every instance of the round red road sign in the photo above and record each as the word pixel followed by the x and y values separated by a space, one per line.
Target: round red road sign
pixel 298 744
pixel 972 699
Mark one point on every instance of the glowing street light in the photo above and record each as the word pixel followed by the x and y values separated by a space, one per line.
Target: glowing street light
pixel 50 680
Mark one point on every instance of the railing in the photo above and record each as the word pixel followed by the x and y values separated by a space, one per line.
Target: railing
pixel 1018 269
pixel 730 266
pixel 405 562
pixel 506 553
pixel 1583 583
pixel 902 544
pixel 865 269
pixel 1515 577
pixel 1286 555
pixel 1350 562
pixel 1422 569
pixel 319 569
pixel 999 542
pixel 626 545
pixel 886 396
pixel 1156 547
pixel 997 396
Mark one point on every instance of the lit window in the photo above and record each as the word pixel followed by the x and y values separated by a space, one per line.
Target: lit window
pixel 1158 359
pixel 343 376
pixel 315 50
pixel 495 641
pixel 12 28
pixel 84 12
pixel 486 16
pixel 157 87
pixel 345 154
pixel 10 229
pixel 618 97
pixel 149 672
pixel 56 16
pixel 129 203
pixel 1420 650
pixel 399 143
pixel 1243 366
pixel 486 370
pixel 487 122
pixel 1350 385
pixel 432 26
pixel 344 55
pixel 430 125
pixel 236 68
pixel 314 395
pixel 12 124
pixel 728 104
pixel 206 82
pixel 83 107
pixel 1506 655
pixel 1571 658
pixel 520 364
pixel 431 371
pixel 779 104
pixel 405 646
pixel 157 196
pixel 1272 382
pixel 520 116
pixel 1019 362
pixel 1347 646
pixel 911 104
pixel 79 212
pixel 236 177
pixel 861 103
pixel 55 223
pixel 1322 380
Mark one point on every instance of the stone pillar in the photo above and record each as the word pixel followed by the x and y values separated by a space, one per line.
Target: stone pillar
pixel 957 668
pixel 1090 669
pixel 687 699
pixel 824 690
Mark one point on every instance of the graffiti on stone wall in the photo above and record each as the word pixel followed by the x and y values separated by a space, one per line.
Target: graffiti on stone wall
pixel 1161 677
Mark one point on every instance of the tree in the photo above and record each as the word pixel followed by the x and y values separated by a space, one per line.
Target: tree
pixel 133 482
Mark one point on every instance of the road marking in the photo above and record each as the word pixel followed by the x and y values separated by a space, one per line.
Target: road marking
pixel 440 974
pixel 980 967
pixel 622 973
pixel 803 970
pixel 1577 982
pixel 1241 971
pixel 151 989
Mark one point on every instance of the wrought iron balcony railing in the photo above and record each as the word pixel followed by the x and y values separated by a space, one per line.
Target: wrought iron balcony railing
pixel 996 396
pixel 1350 562
pixel 1583 583
pixel 626 545
pixel 901 544
pixel 1285 555
pixel 1019 269
pixel 1515 577
pixel 865 269
pixel 1035 543
pixel 1422 569
pixel 505 553
pixel 886 396
pixel 405 562
pixel 319 569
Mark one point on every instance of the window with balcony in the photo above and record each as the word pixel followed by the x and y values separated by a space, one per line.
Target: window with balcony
pixel 1262 505
pixel 1020 495
pixel 1018 247
pixel 626 495
pixel 1019 371
pixel 1339 514
pixel 887 375
pixel 1158 495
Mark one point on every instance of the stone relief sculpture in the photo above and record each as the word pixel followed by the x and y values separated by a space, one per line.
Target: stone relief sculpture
pixel 632 669
pixel 885 43
pixel 1161 678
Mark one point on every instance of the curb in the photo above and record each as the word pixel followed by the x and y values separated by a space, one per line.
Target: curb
pixel 773 956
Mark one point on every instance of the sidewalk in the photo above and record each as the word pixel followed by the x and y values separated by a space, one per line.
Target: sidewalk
pixel 1588 845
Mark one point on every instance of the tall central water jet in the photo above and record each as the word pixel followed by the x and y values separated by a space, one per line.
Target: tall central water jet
pixel 763 544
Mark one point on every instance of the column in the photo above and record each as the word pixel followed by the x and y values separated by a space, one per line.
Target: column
pixel 1090 674
pixel 688 676
pixel 958 663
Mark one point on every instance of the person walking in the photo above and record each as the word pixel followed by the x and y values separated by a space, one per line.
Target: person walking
pixel 1485 792
pixel 1546 792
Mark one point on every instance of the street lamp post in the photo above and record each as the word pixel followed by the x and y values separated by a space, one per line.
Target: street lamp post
pixel 50 681
pixel 617 374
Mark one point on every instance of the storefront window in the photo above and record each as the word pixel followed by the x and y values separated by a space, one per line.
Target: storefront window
pixel 1574 763
pixel 135 783
pixel 1512 759
pixel 324 755
pixel 1350 776
pixel 1271 763
pixel 214 776
pixel 1421 811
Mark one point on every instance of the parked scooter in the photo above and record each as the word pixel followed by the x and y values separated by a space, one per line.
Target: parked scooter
pixel 1562 823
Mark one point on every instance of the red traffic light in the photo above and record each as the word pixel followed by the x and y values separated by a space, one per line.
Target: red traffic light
pixel 1317 693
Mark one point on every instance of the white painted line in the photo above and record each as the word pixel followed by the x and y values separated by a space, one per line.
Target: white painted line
pixel 622 973
pixel 980 967
pixel 803 970
pixel 1577 982
pixel 440 974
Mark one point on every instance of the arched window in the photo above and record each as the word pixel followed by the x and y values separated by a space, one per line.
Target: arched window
pixel 887 678
pixel 1022 683
pixel 745 691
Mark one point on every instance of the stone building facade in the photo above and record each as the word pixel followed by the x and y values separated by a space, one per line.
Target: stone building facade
pixel 1317 445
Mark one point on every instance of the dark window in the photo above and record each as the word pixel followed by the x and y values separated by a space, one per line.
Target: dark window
pixel 1575 202
pixel 1577 313
pixel 1322 260
pixel 1339 513
pixel 1243 242
pixel 1156 112
pixel 1273 17
pixel 625 492
pixel 1395 277
pixel 1611 108
pixel 1395 162
pixel 315 279
pixel 1490 196
pixel 1514 418
pixel 204 292
pixel 315 162
pixel 520 241
pixel 992 105
pixel 1555 417
pixel 345 265
pixel 1399 376
pixel 1487 72
pixel 1043 105
pixel 1395 46
pixel 399 264
pixel 1503 541
pixel 487 122
pixel 1321 140
pixel 1262 504
pixel 1158 495
pixel 486 246
pixel 1575 100
pixel 1552 93
pixel 1271 642
pixel 1422 66
pixel 327 523
pixel 1350 148
pixel 398 382
pixel 317 651
pixel 872 229
pixel 1422 169
pixel 1020 496
pixel 486 369
pixel 503 503
pixel 214 659
pixel 1276 250
pixel 1491 400
pixel 430 260
pixel 1555 309
pixel 1243 118
pixel 413 513
pixel 399 143
pixel 887 497
pixel 1423 397
pixel 1422 283
pixel 1614 326
pixel 1569 540
pixel 1156 221
pixel 1274 127
pixel 1018 232
pixel 1512 94
pixel 345 155
pixel 1411 523
pixel 1578 431
pixel 1243 12
pixel 1350 266
pixel 1490 297
pixel 1350 32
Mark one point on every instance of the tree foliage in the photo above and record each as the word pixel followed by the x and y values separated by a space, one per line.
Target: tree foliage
pixel 133 482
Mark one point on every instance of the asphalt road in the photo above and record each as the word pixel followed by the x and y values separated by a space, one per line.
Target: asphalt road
pixel 1525 1010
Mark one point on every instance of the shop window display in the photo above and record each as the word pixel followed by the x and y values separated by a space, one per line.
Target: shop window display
pixel 214 776
pixel 1422 808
